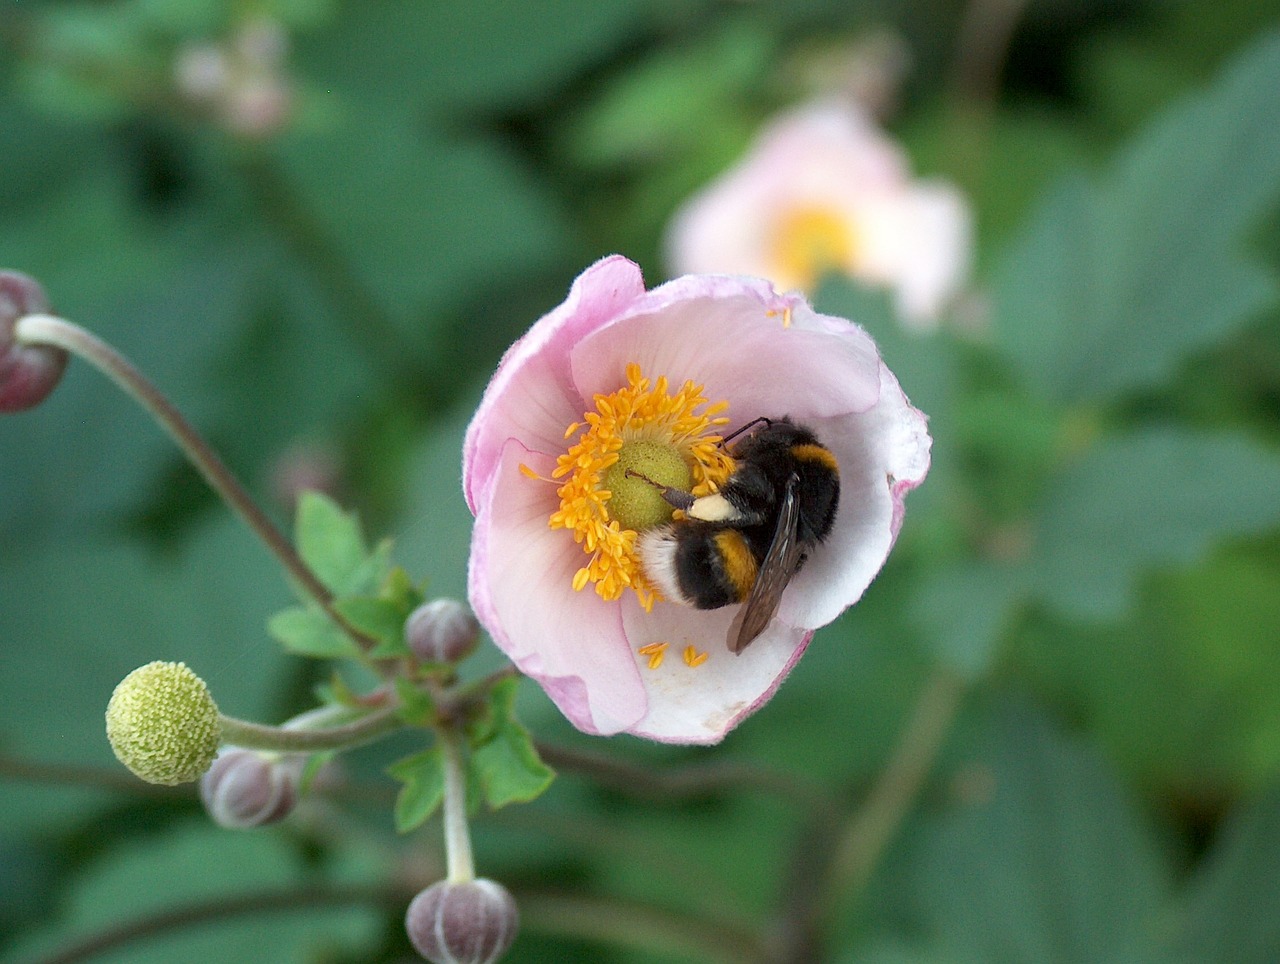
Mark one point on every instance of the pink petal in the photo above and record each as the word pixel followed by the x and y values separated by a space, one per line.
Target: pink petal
pixel 520 584
pixel 728 335
pixel 531 397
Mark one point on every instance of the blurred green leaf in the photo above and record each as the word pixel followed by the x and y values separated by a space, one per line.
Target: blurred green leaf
pixel 1232 908
pixel 505 764
pixel 1181 693
pixel 963 609
pixel 416 217
pixel 1153 497
pixel 380 618
pixel 677 102
pixel 423 777
pixel 308 631
pixel 1114 283
pixel 198 864
pixel 1045 859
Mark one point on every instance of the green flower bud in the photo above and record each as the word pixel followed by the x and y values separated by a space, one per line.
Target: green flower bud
pixel 462 923
pixel 163 724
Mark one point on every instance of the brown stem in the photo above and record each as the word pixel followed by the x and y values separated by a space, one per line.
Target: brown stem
pixel 642 926
pixel 48 330
pixel 866 836
pixel 225 908
pixel 685 783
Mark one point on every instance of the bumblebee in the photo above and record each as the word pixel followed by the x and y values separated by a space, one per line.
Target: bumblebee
pixel 744 543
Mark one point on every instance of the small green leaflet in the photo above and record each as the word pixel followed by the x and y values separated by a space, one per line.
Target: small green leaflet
pixel 423 777
pixel 504 762
pixel 331 542
pixel 308 631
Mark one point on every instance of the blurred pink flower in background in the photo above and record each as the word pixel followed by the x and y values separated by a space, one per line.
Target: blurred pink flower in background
pixel 617 373
pixel 822 190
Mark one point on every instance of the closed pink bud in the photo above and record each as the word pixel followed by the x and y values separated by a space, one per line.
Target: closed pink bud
pixel 463 923
pixel 28 373
pixel 441 631
pixel 246 789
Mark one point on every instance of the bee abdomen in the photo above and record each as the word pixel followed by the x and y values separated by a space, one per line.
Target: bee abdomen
pixel 701 566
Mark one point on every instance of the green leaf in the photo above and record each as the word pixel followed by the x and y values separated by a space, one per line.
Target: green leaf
pixel 1232 912
pixel 1048 859
pixel 423 777
pixel 307 631
pixel 331 542
pixel 506 765
pixel 380 618
pixel 1157 497
pixel 964 609
pixel 1117 282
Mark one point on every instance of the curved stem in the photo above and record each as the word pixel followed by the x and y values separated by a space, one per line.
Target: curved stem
pixel 859 847
pixel 457 835
pixel 48 330
pixel 692 781
pixel 645 927
pixel 225 908
pixel 283 739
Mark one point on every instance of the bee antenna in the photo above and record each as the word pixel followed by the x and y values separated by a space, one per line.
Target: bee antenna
pixel 762 420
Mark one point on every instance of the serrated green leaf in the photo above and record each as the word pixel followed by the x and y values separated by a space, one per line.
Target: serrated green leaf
pixel 1049 860
pixel 506 766
pixel 1233 908
pixel 423 777
pixel 331 542
pixel 1115 283
pixel 1151 498
pixel 379 618
pixel 307 631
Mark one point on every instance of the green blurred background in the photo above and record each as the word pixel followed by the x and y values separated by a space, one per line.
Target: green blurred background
pixel 324 284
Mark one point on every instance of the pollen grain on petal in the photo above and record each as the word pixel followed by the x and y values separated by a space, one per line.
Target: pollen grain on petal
pixel 656 652
pixel 692 657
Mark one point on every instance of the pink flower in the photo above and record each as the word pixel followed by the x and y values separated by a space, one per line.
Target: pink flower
pixel 616 376
pixel 823 190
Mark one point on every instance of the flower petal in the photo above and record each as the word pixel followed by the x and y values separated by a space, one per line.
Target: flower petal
pixel 531 396
pixel 520 584
pixel 700 704
pixel 740 340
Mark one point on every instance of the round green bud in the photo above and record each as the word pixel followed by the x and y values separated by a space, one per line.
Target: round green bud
pixel 163 724
pixel 636 481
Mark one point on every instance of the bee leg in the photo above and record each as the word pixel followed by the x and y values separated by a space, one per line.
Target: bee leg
pixel 676 498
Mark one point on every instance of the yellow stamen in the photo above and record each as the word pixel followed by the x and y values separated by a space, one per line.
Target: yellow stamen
pixel 656 653
pixel 694 658
pixel 641 411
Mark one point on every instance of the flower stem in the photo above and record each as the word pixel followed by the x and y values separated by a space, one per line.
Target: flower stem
pixel 859 847
pixel 457 835
pixel 255 736
pixel 48 330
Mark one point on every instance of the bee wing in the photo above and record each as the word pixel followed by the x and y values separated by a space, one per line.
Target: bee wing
pixel 780 564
